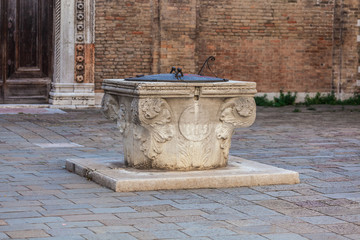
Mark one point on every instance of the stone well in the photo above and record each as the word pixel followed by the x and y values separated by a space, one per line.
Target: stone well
pixel 178 125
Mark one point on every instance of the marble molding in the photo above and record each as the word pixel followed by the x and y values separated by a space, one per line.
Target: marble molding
pixel 177 125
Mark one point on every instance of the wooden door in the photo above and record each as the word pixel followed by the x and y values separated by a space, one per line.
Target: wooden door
pixel 26 50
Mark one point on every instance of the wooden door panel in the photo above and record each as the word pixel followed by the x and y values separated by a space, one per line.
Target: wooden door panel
pixel 24 39
pixel 29 41
pixel 36 90
pixel 28 51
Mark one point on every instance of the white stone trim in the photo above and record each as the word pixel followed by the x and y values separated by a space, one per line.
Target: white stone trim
pixel 72 95
pixel 89 21
pixel 98 98
pixel 67 41
pixel 358 23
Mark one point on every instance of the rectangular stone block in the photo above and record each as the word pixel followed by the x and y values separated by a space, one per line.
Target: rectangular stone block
pixel 239 172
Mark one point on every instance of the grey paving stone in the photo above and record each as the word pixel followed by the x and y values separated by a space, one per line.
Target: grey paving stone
pixel 27 214
pixel 223 217
pixel 89 217
pixel 60 238
pixel 163 226
pixel 180 219
pixel 353 236
pixel 64 232
pixel 350 218
pixel 249 222
pixel 110 236
pixel 34 220
pixel 112 229
pixel 168 234
pixel 259 229
pixel 255 210
pixel 27 233
pixel 4 236
pixel 135 222
pixel 174 213
pixel 322 220
pixel 113 210
pixel 256 197
pixel 140 215
pixel 302 228
pixel 324 236
pixel 208 232
pixel 343 228
pixel 284 236
pixel 239 237
pixel 53 208
pixel 74 224
pixel 19 209
pixel 321 145
pixel 282 193
pixel 64 212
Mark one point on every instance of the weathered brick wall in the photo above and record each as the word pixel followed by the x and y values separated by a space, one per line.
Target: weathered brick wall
pixel 123 39
pixel 280 44
pixel 177 33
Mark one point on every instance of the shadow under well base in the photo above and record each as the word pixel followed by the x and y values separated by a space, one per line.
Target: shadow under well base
pixel 113 174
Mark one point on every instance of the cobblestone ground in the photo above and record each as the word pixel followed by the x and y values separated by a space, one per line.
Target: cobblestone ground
pixel 39 199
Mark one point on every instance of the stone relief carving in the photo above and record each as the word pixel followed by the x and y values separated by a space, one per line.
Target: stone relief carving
pixel 121 119
pixel 234 113
pixel 194 155
pixel 110 106
pixel 154 116
pixel 79 40
pixel 194 123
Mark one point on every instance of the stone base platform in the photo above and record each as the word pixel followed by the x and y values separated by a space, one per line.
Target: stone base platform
pixel 113 174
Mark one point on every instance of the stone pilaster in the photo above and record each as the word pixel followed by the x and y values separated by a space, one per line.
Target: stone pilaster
pixel 73 82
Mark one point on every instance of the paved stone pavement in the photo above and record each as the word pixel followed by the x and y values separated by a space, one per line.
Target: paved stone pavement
pixel 39 199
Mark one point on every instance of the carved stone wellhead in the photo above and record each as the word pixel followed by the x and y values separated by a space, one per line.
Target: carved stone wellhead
pixel 178 125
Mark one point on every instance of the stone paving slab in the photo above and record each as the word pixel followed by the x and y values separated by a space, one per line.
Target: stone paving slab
pixel 321 144
pixel 239 173
pixel 27 110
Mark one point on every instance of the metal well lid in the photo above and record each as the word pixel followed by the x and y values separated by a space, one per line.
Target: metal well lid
pixel 176 75
pixel 168 77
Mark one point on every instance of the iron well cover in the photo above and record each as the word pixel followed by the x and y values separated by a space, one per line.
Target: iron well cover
pixel 169 77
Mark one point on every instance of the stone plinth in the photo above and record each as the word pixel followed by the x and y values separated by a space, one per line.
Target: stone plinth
pixel 113 174
pixel 178 125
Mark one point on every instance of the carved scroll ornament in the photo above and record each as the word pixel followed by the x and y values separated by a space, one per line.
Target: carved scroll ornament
pixel 154 114
pixel 234 113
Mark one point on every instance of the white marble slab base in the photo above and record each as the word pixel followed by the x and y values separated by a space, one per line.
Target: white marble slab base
pixel 112 173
